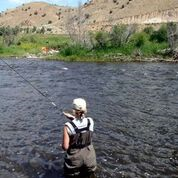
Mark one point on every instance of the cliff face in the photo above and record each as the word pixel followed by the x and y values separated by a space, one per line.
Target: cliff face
pixel 105 13
pixel 94 15
pixel 157 17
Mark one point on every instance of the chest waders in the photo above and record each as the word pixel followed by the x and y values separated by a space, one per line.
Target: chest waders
pixel 81 138
pixel 80 158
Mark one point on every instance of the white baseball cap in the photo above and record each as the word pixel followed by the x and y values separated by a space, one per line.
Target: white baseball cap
pixel 79 104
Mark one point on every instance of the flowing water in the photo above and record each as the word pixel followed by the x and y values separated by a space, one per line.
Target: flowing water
pixel 134 106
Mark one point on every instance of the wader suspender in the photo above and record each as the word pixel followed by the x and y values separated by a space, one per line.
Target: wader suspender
pixel 79 132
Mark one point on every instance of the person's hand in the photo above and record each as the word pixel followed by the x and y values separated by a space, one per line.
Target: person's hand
pixel 68 115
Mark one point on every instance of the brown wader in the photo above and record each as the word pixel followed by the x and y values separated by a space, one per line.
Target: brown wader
pixel 80 160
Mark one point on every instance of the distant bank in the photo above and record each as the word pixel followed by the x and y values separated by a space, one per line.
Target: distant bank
pixel 124 43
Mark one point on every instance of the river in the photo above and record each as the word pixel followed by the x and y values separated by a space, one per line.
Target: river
pixel 134 106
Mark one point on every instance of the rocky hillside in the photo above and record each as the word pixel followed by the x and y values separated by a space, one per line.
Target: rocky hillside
pixel 105 13
pixel 93 15
pixel 39 14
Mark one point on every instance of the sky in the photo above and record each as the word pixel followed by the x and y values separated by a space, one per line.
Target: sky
pixel 9 4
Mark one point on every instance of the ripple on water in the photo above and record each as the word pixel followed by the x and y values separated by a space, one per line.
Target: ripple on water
pixel 134 107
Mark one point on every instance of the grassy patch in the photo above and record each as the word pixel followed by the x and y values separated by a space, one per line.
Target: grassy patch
pixel 32 44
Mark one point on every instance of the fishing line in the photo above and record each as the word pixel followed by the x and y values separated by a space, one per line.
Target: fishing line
pixel 27 81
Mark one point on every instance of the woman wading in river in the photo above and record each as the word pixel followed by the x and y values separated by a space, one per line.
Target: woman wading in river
pixel 80 159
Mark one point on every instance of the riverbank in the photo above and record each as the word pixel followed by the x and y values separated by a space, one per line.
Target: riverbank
pixel 110 58
pixel 53 54
pixel 115 60
pixel 149 45
pixel 124 59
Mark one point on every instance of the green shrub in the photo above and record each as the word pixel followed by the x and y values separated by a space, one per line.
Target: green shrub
pixel 36 13
pixel 148 30
pixel 67 51
pixel 43 15
pixel 159 35
pixel 28 38
pixel 102 40
pixel 87 16
pixel 139 39
pixel 50 22
pixel 34 29
pixel 152 48
pixel 74 49
pixel 49 29
pixel 122 7
pixel 1 47
pixel 42 30
pixel 127 49
pixel 117 35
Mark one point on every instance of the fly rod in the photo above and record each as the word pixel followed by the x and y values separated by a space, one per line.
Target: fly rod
pixel 28 82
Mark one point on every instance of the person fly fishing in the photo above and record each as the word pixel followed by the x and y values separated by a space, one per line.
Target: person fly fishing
pixel 80 158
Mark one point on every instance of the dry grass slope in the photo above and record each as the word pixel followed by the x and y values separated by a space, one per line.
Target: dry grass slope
pixel 95 15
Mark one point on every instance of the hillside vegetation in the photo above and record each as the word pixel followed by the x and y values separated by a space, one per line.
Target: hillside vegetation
pixel 122 43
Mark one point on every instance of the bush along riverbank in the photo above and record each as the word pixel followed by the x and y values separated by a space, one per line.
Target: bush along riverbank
pixel 125 43
pixel 30 45
pixel 122 44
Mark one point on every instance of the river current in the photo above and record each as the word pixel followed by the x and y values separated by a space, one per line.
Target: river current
pixel 134 106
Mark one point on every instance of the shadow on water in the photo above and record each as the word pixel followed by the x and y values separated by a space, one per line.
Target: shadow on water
pixel 46 170
pixel 52 173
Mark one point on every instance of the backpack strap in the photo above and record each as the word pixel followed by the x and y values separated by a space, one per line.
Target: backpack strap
pixel 77 130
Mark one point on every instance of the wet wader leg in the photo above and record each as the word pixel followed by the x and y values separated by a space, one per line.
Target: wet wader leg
pixel 90 159
pixel 72 177
pixel 89 175
pixel 92 175
pixel 71 173
pixel 72 163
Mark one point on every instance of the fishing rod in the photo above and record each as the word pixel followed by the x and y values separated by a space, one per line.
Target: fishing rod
pixel 27 81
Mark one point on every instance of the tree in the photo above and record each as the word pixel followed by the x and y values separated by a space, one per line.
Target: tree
pixel 75 27
pixel 79 20
pixel 34 29
pixel 2 30
pixel 16 30
pixel 116 35
pixel 8 36
pixel 42 30
pixel 120 34
pixel 172 33
pixel 101 40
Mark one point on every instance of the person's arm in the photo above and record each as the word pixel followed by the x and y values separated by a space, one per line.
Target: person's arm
pixel 66 139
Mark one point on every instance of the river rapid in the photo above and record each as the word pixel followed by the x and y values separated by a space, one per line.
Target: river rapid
pixel 134 106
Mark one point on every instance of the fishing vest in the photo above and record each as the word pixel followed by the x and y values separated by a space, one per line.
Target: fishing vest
pixel 81 138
